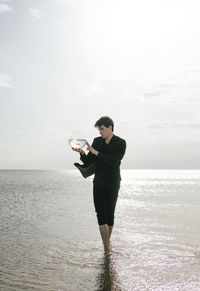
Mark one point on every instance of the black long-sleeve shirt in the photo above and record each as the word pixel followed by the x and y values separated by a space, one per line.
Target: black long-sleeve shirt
pixel 107 161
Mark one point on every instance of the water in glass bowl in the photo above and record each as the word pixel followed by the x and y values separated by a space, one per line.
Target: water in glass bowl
pixel 77 143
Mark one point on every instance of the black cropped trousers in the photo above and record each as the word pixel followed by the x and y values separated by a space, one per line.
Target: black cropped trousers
pixel 105 199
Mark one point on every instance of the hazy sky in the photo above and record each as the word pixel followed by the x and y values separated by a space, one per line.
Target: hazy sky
pixel 65 63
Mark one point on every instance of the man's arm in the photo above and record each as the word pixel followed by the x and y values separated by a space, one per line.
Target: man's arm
pixel 115 156
pixel 89 158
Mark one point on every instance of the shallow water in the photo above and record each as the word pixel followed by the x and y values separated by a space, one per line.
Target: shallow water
pixel 49 237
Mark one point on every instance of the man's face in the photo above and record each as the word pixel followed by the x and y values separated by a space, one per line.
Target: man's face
pixel 105 131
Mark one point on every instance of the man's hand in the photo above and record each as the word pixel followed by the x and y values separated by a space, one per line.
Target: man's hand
pixel 78 150
pixel 91 149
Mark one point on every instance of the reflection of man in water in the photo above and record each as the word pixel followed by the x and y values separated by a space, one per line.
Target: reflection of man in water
pixel 107 152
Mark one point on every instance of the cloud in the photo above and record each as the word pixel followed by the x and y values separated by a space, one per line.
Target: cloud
pixel 182 124
pixel 181 89
pixel 112 87
pixel 93 89
pixel 154 93
pixel 4 8
pixel 61 23
pixel 35 14
pixel 5 81
pixel 70 3
pixel 64 97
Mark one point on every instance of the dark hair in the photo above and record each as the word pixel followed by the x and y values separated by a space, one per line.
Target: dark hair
pixel 106 121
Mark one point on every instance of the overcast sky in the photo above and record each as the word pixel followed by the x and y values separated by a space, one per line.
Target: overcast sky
pixel 65 63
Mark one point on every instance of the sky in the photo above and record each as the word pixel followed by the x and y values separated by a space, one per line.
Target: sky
pixel 66 63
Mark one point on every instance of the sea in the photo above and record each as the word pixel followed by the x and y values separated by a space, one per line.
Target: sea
pixel 49 237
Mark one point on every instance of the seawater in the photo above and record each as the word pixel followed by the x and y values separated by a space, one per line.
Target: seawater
pixel 49 238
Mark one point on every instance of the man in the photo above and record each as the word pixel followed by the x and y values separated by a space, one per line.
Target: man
pixel 106 152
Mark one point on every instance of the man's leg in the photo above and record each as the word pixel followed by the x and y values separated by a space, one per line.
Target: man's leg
pixel 110 230
pixel 104 231
pixel 100 203
pixel 112 200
